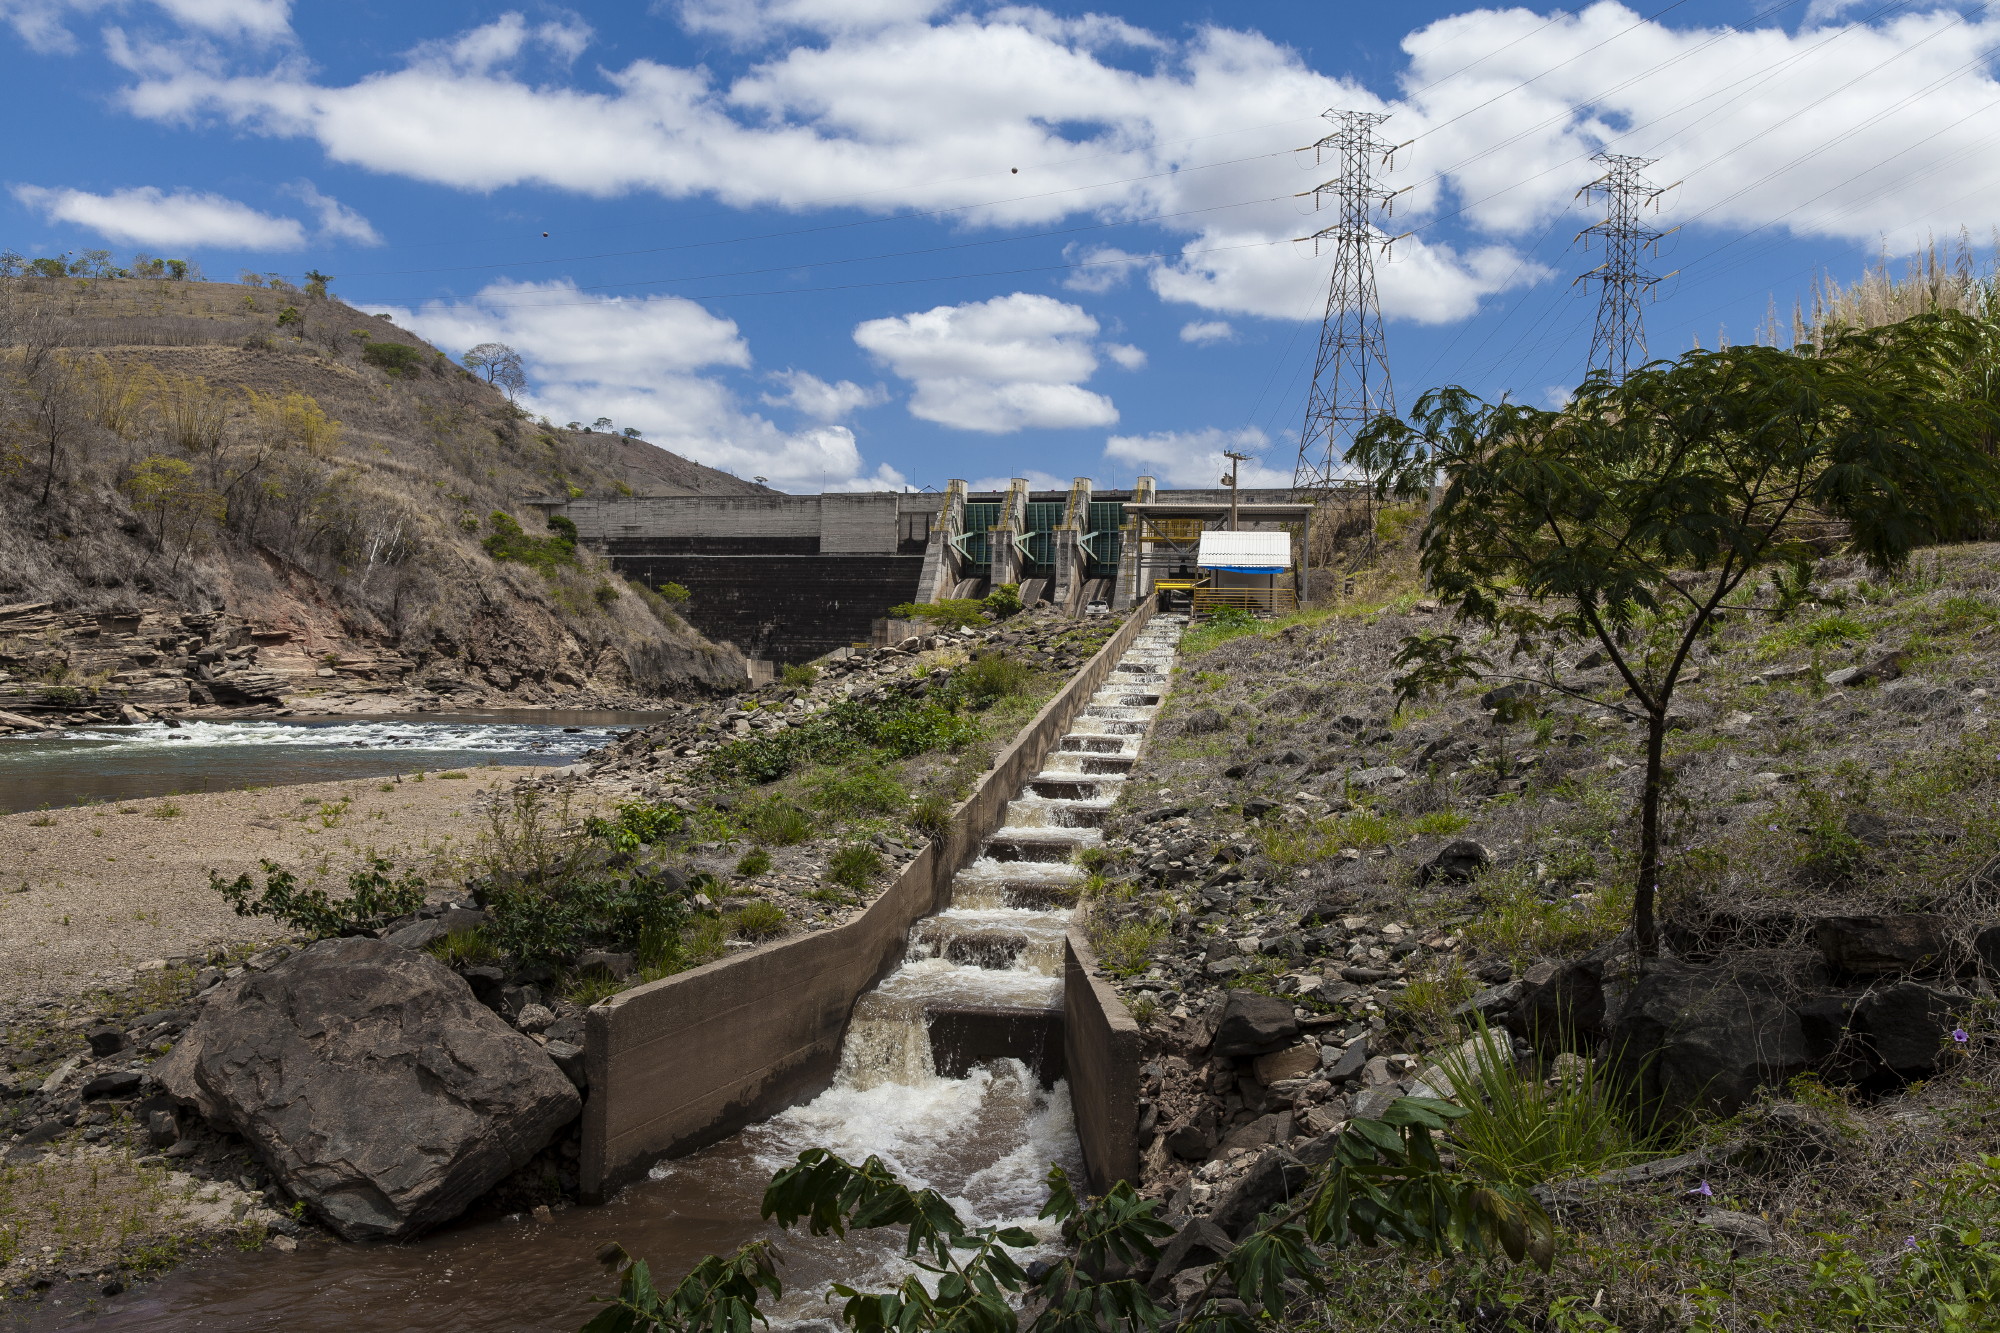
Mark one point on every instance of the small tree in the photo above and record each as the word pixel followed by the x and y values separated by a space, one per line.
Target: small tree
pixel 631 432
pixel 500 364
pixel 316 282
pixel 1628 518
pixel 601 424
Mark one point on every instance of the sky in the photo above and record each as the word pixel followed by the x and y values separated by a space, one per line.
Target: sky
pixel 875 244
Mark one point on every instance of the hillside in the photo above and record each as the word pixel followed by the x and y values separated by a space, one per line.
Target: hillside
pixel 268 487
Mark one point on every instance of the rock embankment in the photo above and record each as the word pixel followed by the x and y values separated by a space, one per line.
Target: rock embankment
pixel 67 667
pixel 1313 896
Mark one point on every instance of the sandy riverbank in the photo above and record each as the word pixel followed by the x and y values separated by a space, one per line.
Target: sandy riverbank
pixel 89 893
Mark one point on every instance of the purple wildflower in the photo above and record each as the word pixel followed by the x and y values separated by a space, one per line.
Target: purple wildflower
pixel 1961 1036
pixel 1909 1242
pixel 1703 1190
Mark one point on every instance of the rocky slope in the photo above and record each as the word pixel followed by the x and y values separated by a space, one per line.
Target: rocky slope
pixel 1311 897
pixel 216 495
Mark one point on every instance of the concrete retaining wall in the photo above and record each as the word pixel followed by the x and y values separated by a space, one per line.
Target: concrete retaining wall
pixel 685 1061
pixel 1101 1051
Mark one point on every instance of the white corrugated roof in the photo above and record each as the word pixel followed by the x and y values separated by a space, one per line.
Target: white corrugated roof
pixel 1245 548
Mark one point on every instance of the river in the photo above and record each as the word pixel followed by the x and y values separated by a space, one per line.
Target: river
pixel 105 763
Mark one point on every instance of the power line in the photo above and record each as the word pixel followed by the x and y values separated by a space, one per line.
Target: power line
pixel 1350 384
pixel 1623 281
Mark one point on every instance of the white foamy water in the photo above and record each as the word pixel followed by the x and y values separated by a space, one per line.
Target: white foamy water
pixel 473 737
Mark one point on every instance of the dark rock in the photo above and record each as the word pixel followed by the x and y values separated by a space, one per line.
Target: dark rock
pixel 417 935
pixel 1508 696
pixel 1272 1180
pixel 266 959
pixel 1459 862
pixel 1273 1128
pixel 45 1132
pixel 1200 1242
pixel 1712 1037
pixel 1251 1024
pixel 569 1058
pixel 1348 1063
pixel 1190 1143
pixel 1257 807
pixel 119 1083
pixel 617 966
pixel 1370 1103
pixel 1986 944
pixel 1203 722
pixel 1883 945
pixel 1824 1021
pixel 1495 1002
pixel 373 1085
pixel 1365 976
pixel 1561 1006
pixel 462 920
pixel 1165 812
pixel 162 1129
pixel 106 1040
pixel 1902 1027
pixel 487 983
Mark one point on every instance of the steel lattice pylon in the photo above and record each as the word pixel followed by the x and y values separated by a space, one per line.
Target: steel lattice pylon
pixel 1623 282
pixel 1350 383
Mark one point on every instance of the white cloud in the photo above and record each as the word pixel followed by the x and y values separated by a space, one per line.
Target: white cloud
pixel 43 24
pixel 997 366
pixel 635 360
pixel 1037 480
pixel 178 221
pixel 1194 459
pixel 1101 268
pixel 814 397
pixel 337 222
pixel 496 45
pixel 752 21
pixel 1126 355
pixel 1203 331
pixel 1019 117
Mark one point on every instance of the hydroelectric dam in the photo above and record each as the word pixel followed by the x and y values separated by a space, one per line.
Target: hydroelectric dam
pixel 787 578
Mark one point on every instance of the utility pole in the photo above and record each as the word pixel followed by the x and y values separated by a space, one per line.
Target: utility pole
pixel 1623 282
pixel 1230 481
pixel 1350 384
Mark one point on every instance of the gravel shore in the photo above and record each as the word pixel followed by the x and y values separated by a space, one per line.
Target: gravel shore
pixel 89 893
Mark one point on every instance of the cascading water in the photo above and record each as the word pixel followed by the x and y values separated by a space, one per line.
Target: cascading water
pixel 984 1138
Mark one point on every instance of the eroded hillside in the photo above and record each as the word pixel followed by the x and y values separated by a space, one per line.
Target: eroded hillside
pixel 266 486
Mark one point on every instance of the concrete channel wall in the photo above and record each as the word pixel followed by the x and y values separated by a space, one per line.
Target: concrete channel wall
pixel 1101 1052
pixel 679 1063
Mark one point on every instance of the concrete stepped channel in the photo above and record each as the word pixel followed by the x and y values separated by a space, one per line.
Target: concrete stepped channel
pixel 951 1069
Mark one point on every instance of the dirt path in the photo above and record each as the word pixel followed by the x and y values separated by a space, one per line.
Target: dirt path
pixel 89 893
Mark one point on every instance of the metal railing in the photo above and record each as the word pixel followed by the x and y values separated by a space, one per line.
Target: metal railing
pixel 1277 601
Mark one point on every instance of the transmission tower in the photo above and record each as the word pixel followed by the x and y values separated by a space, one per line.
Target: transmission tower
pixel 1350 383
pixel 1623 281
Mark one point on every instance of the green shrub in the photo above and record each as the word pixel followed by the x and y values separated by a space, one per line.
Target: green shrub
pixel 674 594
pixel 855 866
pixel 373 899
pixel 951 613
pixel 758 921
pixel 753 863
pixel 1520 1130
pixel 902 727
pixel 1128 948
pixel 1003 601
pixel 931 815
pixel 546 554
pixel 869 790
pixel 798 675
pixel 464 948
pixel 991 677
pixel 776 821
pixel 396 359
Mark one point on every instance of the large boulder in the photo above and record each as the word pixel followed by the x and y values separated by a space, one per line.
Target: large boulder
pixel 1884 945
pixel 1560 1005
pixel 1252 1024
pixel 1904 1026
pixel 373 1084
pixel 1691 1037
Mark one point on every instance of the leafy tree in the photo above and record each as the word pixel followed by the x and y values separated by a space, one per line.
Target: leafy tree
pixel 394 358
pixel 500 364
pixel 1385 1183
pixel 631 432
pixel 602 423
pixel 1632 515
pixel 316 282
pixel 175 508
pixel 49 268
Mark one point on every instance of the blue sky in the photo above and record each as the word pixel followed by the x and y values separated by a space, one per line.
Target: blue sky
pixel 868 243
